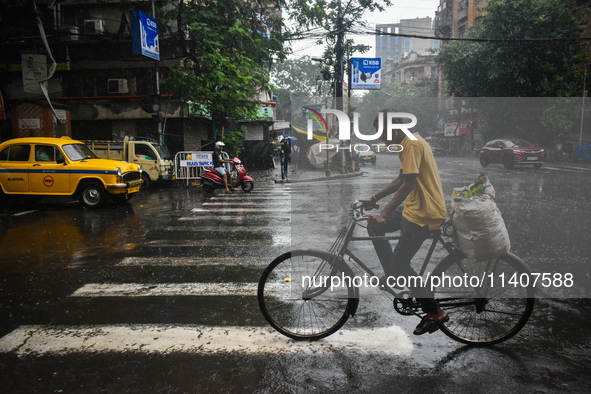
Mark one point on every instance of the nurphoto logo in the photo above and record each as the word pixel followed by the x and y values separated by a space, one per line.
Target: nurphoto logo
pixel 345 128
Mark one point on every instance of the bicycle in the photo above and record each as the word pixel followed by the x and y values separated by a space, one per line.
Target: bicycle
pixel 298 303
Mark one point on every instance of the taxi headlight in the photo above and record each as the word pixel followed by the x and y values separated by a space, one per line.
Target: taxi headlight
pixel 118 171
pixel 140 169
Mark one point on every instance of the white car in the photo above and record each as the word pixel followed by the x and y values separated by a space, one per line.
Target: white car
pixel 368 156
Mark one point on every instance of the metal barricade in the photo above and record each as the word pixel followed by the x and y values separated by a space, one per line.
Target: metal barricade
pixel 193 165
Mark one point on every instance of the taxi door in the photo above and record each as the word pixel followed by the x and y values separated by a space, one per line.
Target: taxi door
pixel 46 176
pixel 14 168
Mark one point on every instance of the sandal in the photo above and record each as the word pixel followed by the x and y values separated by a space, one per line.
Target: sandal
pixel 429 324
pixel 229 192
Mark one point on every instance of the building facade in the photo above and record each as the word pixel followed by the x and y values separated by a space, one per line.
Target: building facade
pixel 99 89
pixel 394 46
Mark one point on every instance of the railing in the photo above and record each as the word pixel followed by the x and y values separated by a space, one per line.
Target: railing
pixel 189 165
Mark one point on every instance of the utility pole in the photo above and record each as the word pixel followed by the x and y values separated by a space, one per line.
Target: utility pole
pixel 158 112
pixel 338 66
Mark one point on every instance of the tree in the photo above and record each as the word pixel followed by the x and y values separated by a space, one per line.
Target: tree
pixel 297 77
pixel 227 47
pixel 516 63
pixel 336 18
pixel 420 100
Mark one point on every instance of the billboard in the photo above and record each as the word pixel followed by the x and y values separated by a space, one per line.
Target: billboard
pixel 366 73
pixel 144 34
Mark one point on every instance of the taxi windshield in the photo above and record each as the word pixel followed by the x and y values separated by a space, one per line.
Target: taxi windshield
pixel 77 152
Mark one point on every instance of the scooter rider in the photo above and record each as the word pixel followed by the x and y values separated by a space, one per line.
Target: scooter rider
pixel 218 163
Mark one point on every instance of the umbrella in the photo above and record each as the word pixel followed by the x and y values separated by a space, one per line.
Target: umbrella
pixel 289 138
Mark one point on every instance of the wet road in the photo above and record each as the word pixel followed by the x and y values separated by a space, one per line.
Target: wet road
pixel 159 295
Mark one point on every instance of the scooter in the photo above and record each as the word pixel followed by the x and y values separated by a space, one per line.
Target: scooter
pixel 237 176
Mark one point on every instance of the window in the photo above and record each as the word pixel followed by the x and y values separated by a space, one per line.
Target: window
pixel 78 152
pixel 16 153
pixel 145 152
pixel 44 153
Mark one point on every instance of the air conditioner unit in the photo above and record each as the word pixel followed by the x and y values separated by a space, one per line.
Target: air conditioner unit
pixel 117 86
pixel 94 26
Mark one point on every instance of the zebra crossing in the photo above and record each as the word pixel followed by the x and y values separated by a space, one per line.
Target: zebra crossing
pixel 231 223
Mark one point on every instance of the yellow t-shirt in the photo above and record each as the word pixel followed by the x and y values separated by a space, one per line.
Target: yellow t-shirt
pixel 425 204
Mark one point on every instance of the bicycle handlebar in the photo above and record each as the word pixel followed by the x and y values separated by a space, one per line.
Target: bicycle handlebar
pixel 357 210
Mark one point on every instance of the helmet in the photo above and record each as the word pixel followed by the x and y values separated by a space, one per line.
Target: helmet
pixel 219 144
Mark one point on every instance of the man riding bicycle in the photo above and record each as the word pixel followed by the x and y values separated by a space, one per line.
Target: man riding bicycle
pixel 418 186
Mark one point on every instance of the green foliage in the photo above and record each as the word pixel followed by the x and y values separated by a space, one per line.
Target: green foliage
pixel 296 78
pixel 227 47
pixel 234 139
pixel 335 18
pixel 513 67
pixel 562 118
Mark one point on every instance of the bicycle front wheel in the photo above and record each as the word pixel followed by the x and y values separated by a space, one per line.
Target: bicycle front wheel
pixel 299 295
pixel 482 309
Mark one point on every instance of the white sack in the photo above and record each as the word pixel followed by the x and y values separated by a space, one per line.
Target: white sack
pixel 479 229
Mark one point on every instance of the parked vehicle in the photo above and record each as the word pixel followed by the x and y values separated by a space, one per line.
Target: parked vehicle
pixel 367 156
pixel 510 152
pixel 62 167
pixel 157 162
pixel 437 149
pixel 237 177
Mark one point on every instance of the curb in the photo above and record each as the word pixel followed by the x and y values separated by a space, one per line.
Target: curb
pixel 327 178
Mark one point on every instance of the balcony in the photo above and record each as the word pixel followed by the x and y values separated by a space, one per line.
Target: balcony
pixel 444 19
pixel 462 9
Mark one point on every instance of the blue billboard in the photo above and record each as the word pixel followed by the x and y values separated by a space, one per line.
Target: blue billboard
pixel 366 73
pixel 144 34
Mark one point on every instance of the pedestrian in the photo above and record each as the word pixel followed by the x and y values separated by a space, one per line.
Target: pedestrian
pixel 418 186
pixel 295 157
pixel 218 163
pixel 286 157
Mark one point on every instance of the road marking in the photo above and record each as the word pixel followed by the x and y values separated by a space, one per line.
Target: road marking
pixel 255 198
pixel 165 289
pixel 245 204
pixel 240 219
pixel 567 169
pixel 195 339
pixel 192 261
pixel 225 229
pixel 274 240
pixel 241 210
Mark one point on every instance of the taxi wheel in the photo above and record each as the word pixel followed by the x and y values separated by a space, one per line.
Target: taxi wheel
pixel 92 195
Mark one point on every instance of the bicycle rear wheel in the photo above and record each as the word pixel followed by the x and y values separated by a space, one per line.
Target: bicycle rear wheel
pixel 485 311
pixel 296 297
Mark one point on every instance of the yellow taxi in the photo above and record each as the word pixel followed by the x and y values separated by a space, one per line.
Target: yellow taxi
pixel 62 167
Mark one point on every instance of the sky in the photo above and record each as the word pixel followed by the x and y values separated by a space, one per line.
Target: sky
pixel 402 9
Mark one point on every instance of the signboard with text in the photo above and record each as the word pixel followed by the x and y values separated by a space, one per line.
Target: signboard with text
pixel 198 159
pixel 366 73
pixel 144 34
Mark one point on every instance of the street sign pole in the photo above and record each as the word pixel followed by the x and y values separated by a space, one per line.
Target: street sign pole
pixel 158 113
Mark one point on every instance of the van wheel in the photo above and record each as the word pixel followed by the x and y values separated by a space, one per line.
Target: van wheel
pixel 92 195
pixel 147 181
